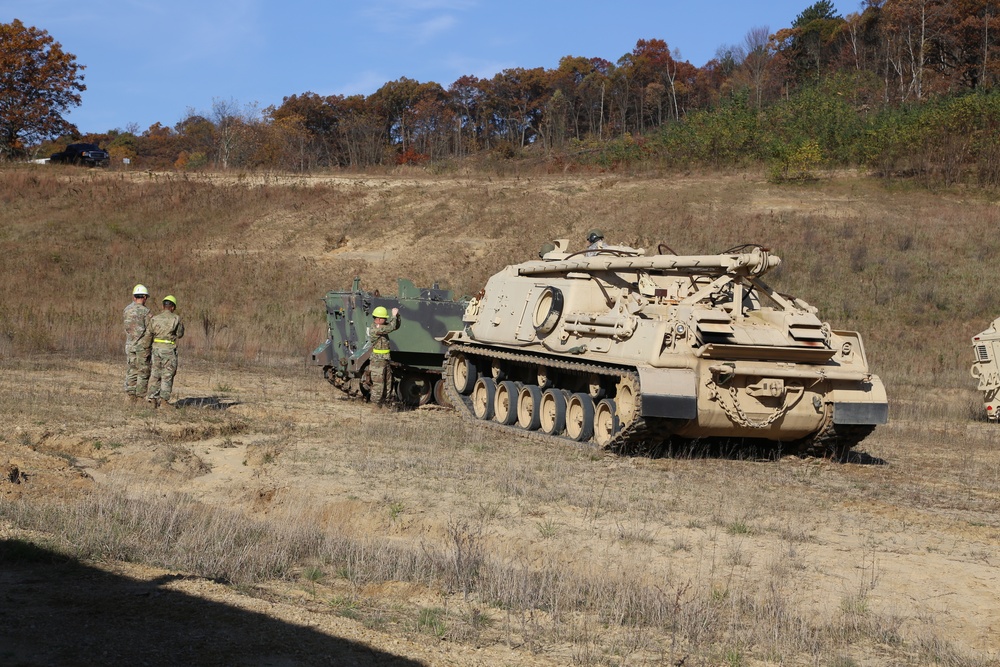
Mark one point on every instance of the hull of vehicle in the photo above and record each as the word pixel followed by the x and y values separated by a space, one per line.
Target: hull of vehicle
pixel 630 352
pixel 416 352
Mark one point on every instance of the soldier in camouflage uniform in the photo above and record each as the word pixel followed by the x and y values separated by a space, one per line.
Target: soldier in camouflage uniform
pixel 137 344
pixel 165 329
pixel 595 238
pixel 378 366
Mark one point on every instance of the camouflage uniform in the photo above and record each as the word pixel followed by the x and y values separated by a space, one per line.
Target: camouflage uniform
pixel 165 329
pixel 378 366
pixel 137 352
pixel 594 247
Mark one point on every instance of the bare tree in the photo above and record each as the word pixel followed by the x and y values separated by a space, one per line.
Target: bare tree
pixel 234 130
pixel 757 59
pixel 670 76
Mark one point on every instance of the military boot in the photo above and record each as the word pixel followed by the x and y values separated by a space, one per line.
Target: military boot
pixel 153 402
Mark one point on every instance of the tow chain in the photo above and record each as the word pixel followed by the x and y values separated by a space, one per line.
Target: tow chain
pixel 739 417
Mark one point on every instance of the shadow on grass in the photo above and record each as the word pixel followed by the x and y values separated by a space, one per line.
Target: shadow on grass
pixel 736 449
pixel 206 402
pixel 55 610
pixel 865 459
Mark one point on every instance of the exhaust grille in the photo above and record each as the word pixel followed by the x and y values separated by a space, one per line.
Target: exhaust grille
pixel 982 352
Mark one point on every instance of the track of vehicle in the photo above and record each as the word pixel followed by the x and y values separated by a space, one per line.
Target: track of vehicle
pixel 641 435
pixel 834 440
pixel 413 388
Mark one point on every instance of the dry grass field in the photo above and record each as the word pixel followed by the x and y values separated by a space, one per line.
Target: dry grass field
pixel 268 522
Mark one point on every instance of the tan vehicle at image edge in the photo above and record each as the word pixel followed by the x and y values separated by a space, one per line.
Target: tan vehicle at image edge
pixel 986 348
pixel 637 353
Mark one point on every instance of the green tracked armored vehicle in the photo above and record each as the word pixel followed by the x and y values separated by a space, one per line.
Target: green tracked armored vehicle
pixel 631 352
pixel 416 356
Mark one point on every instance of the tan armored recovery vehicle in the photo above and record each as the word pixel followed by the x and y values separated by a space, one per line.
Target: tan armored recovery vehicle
pixel 634 353
pixel 986 348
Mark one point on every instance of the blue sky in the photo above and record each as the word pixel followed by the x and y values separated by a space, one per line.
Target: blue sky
pixel 153 60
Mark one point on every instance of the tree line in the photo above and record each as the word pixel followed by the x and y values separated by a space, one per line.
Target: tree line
pixel 878 71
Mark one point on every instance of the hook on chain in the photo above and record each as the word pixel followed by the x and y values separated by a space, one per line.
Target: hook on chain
pixel 740 418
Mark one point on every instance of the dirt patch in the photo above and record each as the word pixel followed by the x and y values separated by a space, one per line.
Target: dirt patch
pixel 25 472
pixel 431 541
pixel 907 542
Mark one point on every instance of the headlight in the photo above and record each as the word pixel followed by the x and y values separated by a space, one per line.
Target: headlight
pixel 680 329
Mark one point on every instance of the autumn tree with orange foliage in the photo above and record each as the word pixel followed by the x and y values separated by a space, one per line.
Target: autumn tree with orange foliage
pixel 849 76
pixel 39 82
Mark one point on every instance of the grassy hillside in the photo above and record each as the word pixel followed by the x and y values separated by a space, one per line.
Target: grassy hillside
pixel 414 527
pixel 249 257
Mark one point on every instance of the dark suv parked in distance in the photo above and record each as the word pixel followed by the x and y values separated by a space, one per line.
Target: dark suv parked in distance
pixel 88 154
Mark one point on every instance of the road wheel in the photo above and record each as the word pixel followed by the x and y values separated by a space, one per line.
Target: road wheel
pixel 415 389
pixel 552 411
pixel 483 396
pixel 529 403
pixel 463 374
pixel 441 394
pixel 580 417
pixel 627 400
pixel 505 405
pixel 606 424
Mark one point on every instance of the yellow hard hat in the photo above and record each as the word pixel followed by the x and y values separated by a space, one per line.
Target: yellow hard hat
pixel 140 290
pixel 380 311
pixel 171 298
